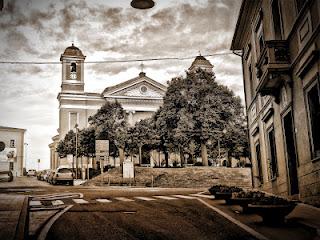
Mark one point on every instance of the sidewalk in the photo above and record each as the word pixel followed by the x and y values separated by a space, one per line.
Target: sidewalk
pixel 303 223
pixel 306 215
pixel 13 217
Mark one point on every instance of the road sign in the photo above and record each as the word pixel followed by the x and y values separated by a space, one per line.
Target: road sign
pixel 102 147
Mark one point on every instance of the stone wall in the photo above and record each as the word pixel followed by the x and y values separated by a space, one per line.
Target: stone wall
pixel 180 177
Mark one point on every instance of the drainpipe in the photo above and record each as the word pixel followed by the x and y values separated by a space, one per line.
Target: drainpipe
pixel 240 54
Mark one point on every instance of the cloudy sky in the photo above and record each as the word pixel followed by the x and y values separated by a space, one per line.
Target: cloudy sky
pixel 40 30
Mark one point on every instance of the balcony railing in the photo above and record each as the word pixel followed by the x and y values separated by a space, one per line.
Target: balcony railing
pixel 273 67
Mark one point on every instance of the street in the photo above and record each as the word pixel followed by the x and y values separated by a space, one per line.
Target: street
pixel 123 213
pixel 82 212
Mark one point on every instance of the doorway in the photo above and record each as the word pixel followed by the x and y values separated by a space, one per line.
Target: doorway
pixel 291 154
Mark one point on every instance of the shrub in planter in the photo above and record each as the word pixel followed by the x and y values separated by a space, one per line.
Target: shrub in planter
pixel 254 195
pixel 215 188
pixel 272 209
pixel 244 198
pixel 199 164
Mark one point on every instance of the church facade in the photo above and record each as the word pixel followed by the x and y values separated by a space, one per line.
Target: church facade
pixel 140 97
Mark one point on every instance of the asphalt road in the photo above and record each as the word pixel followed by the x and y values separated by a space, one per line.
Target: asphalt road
pixel 124 213
pixel 139 219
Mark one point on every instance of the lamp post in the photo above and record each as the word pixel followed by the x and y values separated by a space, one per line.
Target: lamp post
pixel 142 4
pixel 76 127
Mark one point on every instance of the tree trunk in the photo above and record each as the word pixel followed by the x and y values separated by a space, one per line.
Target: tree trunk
pixel 182 158
pixel 204 154
pixel 166 156
pixel 140 154
pixel 121 156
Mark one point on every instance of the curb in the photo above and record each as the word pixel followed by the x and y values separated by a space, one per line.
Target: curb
pixel 23 224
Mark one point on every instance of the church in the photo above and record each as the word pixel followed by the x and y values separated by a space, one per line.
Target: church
pixel 140 97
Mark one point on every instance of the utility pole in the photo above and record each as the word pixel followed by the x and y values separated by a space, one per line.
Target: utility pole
pixel 76 127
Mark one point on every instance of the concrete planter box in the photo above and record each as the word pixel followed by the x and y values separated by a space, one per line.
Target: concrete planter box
pixel 272 215
pixel 243 202
pixel 223 195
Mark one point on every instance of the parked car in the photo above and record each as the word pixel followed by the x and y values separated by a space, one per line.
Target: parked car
pixel 39 175
pixel 31 173
pixel 6 176
pixel 63 175
pixel 50 177
pixel 46 175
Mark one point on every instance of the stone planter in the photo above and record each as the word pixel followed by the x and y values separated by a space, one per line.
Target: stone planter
pixel 223 195
pixel 272 214
pixel 243 202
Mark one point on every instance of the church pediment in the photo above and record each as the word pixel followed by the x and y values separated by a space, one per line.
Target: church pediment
pixel 140 87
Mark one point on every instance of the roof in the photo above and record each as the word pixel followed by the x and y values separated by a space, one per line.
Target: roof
pixel 244 20
pixel 73 51
pixel 142 77
pixel 11 128
pixel 200 61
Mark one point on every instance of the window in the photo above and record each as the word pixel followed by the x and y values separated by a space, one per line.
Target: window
pixel 313 100
pixel 260 38
pixel 73 67
pixel 272 154
pixel 73 120
pixel 258 159
pixel 252 90
pixel 253 112
pixel 12 144
pixel 11 167
pixel 277 23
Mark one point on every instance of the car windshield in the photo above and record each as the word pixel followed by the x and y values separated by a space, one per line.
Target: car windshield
pixel 64 170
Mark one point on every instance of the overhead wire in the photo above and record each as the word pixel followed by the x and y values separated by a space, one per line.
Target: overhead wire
pixel 117 60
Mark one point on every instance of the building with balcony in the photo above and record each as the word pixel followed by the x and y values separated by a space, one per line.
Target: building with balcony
pixel 279 41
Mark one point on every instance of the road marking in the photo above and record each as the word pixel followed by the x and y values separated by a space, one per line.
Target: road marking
pixel 44 231
pixel 231 219
pixel 79 200
pixel 35 203
pixel 166 197
pixel 123 199
pixel 102 200
pixel 203 196
pixel 56 196
pixel 183 196
pixel 57 202
pixel 145 198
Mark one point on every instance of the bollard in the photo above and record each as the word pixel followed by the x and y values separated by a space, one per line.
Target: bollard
pixel 152 181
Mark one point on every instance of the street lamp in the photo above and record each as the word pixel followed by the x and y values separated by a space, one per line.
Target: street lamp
pixel 142 4
pixel 76 127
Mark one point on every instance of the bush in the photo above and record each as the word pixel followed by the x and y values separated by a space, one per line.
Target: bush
pixel 198 164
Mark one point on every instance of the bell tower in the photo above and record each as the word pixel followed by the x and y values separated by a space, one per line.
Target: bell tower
pixel 72 61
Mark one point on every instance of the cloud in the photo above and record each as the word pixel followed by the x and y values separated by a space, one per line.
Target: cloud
pixel 39 30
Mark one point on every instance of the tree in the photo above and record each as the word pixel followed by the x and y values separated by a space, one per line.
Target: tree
pixel 67 145
pixel 196 108
pixel 144 134
pixel 87 142
pixel 110 124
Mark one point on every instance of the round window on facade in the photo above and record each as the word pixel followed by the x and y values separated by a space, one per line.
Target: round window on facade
pixel 143 89
pixel 2 146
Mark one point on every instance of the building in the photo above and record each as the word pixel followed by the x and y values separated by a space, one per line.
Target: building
pixel 140 97
pixel 12 150
pixel 279 41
